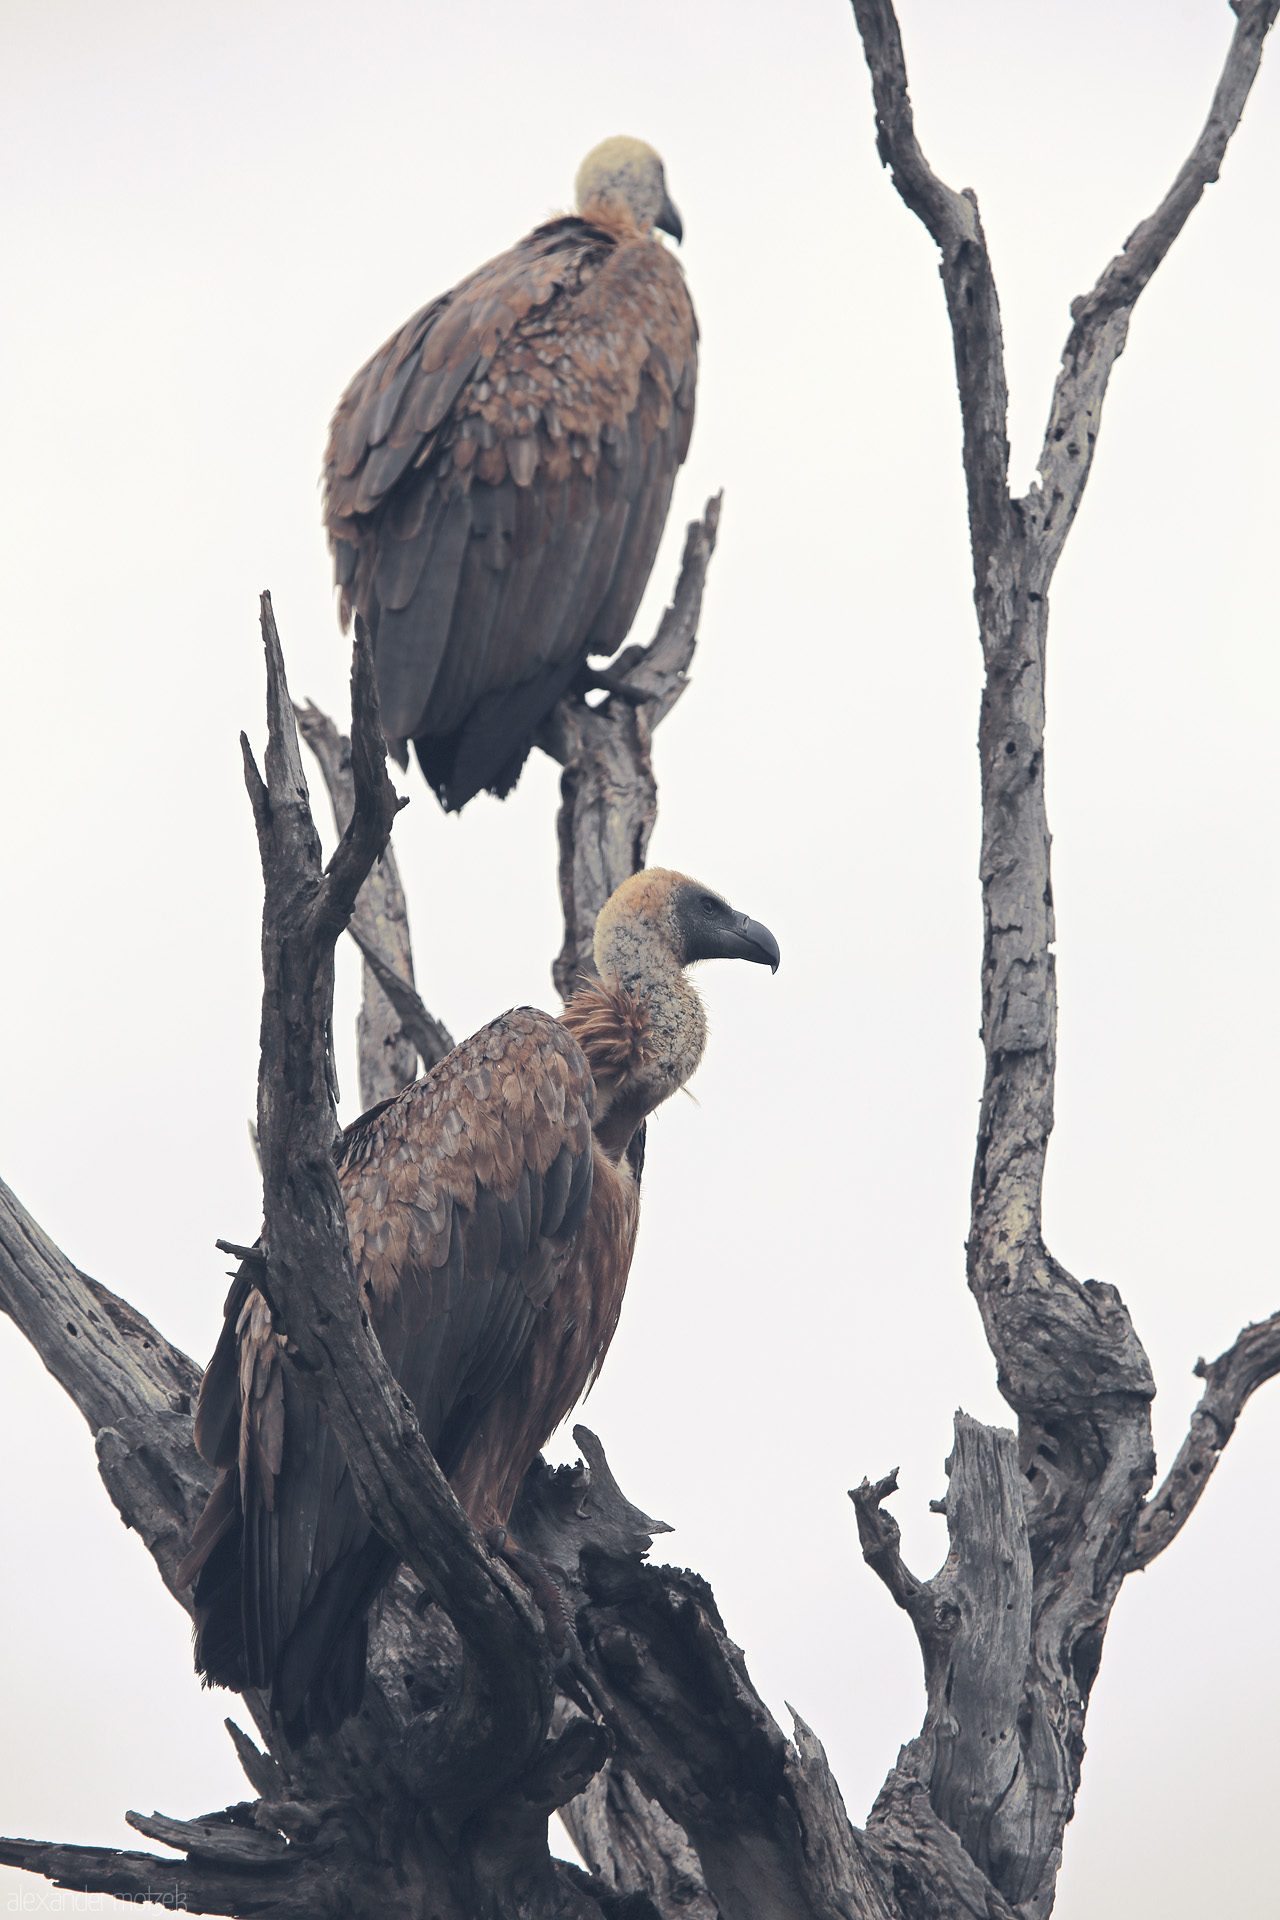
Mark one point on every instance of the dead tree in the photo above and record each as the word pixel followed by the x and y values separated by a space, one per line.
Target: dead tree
pixel 684 1795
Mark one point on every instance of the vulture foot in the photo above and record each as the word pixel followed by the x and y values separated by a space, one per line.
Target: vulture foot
pixel 608 680
pixel 546 1593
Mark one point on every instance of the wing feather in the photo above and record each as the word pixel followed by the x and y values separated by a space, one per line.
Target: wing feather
pixel 464 1195
pixel 553 389
pixel 411 639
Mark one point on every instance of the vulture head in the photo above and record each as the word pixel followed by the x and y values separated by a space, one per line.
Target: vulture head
pixel 656 925
pixel 621 183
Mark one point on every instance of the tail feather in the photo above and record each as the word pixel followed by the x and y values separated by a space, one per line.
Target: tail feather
pixel 316 1676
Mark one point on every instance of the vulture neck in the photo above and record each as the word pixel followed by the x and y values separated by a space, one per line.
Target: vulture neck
pixel 642 1028
pixel 610 211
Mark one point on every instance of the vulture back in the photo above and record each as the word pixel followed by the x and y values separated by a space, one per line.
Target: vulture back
pixel 496 483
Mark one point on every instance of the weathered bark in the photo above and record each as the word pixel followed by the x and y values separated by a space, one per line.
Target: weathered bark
pixel 136 1392
pixel 762 1813
pixel 635 1847
pixel 1252 1360
pixel 1070 1363
pixel 972 1621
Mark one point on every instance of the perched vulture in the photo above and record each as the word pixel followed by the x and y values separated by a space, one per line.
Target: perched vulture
pixel 492 1208
pixel 498 475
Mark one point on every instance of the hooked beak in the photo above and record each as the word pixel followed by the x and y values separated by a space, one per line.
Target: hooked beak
pixel 749 940
pixel 668 219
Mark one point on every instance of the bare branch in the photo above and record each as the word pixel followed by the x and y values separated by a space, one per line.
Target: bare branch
pixel 1101 317
pixel 394 1028
pixel 972 302
pixel 429 1037
pixel 880 1538
pixel 609 798
pixel 218 1837
pixel 1248 1364
pixel 134 1390
pixel 181 1885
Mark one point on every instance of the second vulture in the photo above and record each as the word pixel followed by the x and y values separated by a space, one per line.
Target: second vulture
pixel 498 475
pixel 492 1208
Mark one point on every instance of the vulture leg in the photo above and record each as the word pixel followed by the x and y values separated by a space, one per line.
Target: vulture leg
pixel 546 1594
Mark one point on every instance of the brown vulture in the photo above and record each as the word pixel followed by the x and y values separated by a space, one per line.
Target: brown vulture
pixel 492 1208
pixel 498 474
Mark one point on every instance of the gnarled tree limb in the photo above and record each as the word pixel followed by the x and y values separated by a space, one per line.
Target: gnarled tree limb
pixel 1070 1363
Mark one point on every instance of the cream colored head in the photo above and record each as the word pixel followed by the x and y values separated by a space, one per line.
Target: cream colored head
pixel 655 925
pixel 658 923
pixel 621 184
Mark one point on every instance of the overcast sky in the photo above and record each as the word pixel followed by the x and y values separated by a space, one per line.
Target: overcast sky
pixel 213 213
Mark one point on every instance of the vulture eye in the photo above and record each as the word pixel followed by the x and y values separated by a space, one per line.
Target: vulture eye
pixel 709 905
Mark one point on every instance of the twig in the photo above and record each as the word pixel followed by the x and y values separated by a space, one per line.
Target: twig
pixel 880 1538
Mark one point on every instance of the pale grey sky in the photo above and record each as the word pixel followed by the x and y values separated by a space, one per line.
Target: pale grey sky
pixel 212 214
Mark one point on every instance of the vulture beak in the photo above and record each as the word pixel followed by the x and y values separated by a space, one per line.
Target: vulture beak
pixel 710 929
pixel 668 219
pixel 752 940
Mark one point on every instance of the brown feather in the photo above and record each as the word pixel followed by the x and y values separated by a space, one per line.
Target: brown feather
pixel 466 1197
pixel 563 371
pixel 492 1210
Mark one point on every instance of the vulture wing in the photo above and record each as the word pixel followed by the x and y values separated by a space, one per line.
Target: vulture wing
pixel 496 483
pixel 464 1198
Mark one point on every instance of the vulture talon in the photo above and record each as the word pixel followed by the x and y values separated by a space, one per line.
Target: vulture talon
pixel 570 1668
pixel 492 1210
pixel 547 1595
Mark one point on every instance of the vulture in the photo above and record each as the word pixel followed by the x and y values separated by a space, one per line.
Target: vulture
pixel 497 476
pixel 492 1208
